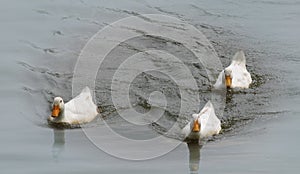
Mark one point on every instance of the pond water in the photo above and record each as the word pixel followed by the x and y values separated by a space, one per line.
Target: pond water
pixel 40 44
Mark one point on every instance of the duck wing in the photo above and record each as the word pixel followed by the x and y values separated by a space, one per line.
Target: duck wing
pixel 81 109
pixel 210 123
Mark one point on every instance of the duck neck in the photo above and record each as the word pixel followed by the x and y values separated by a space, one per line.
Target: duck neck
pixel 61 115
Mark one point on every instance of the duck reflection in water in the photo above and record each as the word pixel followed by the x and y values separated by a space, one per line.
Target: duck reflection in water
pixel 194 156
pixel 58 144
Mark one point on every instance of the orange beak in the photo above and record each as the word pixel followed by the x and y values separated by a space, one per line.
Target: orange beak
pixel 55 111
pixel 196 126
pixel 228 81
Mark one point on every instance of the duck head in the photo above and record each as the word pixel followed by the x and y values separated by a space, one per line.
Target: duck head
pixel 58 107
pixel 196 126
pixel 228 78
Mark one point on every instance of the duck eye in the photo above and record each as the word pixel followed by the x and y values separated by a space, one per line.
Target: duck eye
pixel 60 101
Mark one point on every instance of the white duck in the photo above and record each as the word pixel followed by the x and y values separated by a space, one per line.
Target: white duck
pixel 79 110
pixel 235 75
pixel 204 124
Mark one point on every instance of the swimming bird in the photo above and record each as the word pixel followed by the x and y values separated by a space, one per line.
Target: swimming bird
pixel 203 125
pixel 235 75
pixel 79 110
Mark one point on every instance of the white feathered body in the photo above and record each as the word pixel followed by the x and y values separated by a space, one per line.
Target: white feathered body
pixel 79 110
pixel 210 123
pixel 241 78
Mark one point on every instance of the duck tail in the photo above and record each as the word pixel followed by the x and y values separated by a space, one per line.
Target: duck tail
pixel 86 90
pixel 239 57
pixel 208 105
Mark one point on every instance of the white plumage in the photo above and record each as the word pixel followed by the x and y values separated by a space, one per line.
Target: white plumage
pixel 209 123
pixel 79 110
pixel 240 77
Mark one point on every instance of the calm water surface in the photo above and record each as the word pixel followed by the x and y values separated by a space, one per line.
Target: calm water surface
pixel 41 41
